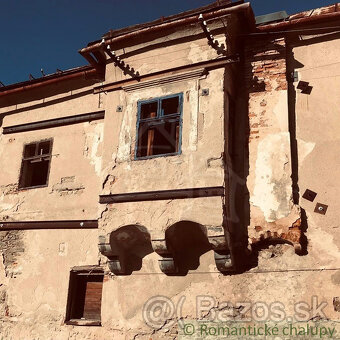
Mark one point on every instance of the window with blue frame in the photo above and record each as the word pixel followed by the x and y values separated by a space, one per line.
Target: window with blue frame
pixel 159 126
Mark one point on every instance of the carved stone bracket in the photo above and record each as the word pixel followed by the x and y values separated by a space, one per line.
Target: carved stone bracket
pixel 115 261
pixel 221 253
pixel 167 263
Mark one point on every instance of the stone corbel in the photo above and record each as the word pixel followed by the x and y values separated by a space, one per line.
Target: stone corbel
pixel 167 263
pixel 115 261
pixel 222 255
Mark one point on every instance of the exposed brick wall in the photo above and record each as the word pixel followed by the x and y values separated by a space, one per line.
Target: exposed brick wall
pixel 11 247
pixel 265 72
pixel 266 82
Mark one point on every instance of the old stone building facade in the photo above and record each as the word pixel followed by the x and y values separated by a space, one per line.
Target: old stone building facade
pixel 195 156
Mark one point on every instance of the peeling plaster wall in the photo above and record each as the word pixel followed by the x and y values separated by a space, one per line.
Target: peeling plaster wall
pixel 74 178
pixel 179 47
pixel 34 285
pixel 269 180
pixel 35 264
pixel 88 157
pixel 124 296
pixel 194 167
pixel 200 163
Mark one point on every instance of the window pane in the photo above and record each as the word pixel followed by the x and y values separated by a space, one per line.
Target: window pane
pixel 170 106
pixel 148 110
pixel 165 138
pixel 40 172
pixel 44 148
pixel 158 139
pixel 29 150
pixel 34 173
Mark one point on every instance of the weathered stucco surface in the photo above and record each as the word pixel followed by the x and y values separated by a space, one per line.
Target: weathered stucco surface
pixel 317 125
pixel 75 163
pixel 97 157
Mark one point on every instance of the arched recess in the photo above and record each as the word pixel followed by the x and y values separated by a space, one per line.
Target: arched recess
pixel 184 243
pixel 187 241
pixel 125 248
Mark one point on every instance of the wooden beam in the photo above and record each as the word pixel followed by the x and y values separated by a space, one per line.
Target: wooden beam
pixel 151 136
pixel 162 195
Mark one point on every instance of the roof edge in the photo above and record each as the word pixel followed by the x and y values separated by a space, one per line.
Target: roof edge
pixel 86 71
pixel 316 15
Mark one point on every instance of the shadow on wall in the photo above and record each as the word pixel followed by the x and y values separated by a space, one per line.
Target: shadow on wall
pixel 131 243
pixel 259 68
pixel 187 242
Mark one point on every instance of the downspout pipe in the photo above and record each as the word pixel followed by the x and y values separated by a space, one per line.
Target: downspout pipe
pixel 181 22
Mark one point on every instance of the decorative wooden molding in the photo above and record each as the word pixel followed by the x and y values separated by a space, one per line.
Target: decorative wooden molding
pixel 162 195
pixel 29 225
pixel 44 124
pixel 162 81
pixel 176 71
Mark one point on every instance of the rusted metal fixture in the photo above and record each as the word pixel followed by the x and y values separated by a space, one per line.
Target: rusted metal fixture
pixel 44 124
pixel 321 208
pixel 70 224
pixel 162 195
pixel 309 195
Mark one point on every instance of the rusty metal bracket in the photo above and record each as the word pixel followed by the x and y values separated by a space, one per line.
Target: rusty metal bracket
pixel 309 195
pixel 321 208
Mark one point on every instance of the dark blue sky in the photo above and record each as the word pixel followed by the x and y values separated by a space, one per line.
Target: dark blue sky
pixel 46 34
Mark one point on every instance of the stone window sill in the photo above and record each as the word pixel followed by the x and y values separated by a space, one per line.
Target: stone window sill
pixel 83 322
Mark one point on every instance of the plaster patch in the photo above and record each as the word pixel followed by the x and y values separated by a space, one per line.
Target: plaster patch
pixel 68 185
pixel 62 249
pixel 272 190
pixel 322 241
pixel 304 149
pixel 193 135
pixel 125 138
pixel 92 143
pixel 281 111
